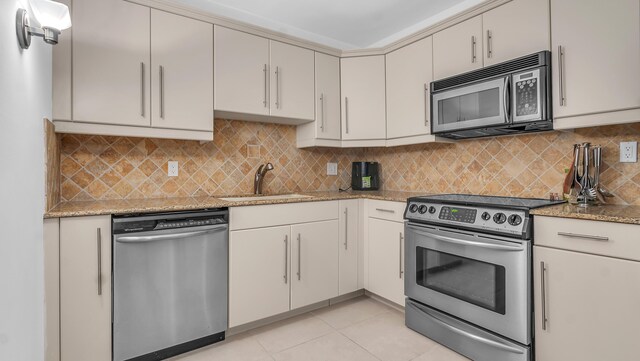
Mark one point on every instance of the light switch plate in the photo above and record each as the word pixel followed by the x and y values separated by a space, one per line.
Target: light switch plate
pixel 172 169
pixel 332 168
pixel 628 152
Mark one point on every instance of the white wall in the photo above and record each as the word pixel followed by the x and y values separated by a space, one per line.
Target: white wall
pixel 25 98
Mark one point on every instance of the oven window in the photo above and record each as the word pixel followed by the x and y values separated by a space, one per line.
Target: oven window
pixel 472 106
pixel 473 281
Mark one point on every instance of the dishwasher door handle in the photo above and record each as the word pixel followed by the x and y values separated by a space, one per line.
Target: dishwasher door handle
pixel 161 237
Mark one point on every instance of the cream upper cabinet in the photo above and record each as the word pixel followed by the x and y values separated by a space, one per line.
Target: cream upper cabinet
pixel 292 81
pixel 590 303
pixel 362 86
pixel 386 259
pixel 458 49
pixel 259 273
pixel 85 288
pixel 349 248
pixel 111 62
pixel 181 72
pixel 596 47
pixel 327 125
pixel 409 74
pixel 515 29
pixel 314 262
pixel 241 68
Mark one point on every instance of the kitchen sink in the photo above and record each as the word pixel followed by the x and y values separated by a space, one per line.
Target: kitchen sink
pixel 265 198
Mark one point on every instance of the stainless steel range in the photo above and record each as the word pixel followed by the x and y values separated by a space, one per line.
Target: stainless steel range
pixel 468 273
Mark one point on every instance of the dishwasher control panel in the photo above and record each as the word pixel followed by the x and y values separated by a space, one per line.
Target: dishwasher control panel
pixel 164 221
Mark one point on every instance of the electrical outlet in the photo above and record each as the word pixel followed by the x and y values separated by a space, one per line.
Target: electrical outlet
pixel 172 169
pixel 332 168
pixel 628 152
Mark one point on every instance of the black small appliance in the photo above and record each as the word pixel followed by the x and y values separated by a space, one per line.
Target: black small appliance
pixel 365 176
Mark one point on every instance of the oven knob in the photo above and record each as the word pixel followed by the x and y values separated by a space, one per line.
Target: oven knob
pixel 432 209
pixel 499 218
pixel 486 216
pixel 515 219
pixel 422 209
pixel 413 208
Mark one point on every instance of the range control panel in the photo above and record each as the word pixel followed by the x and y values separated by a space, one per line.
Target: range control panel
pixel 495 220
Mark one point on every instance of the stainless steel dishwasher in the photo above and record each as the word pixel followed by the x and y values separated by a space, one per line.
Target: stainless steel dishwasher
pixel 169 283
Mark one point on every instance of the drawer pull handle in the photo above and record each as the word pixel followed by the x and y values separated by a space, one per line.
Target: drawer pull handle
pixel 385 210
pixel 585 236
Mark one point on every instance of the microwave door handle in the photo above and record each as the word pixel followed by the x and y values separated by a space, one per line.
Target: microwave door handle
pixel 507 99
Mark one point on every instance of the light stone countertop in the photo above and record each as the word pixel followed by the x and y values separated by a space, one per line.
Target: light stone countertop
pixel 603 213
pixel 94 208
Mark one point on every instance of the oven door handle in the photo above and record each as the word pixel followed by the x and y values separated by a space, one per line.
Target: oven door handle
pixel 469 243
pixel 468 334
pixel 161 237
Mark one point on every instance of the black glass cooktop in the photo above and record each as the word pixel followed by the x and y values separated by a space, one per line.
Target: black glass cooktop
pixel 489 201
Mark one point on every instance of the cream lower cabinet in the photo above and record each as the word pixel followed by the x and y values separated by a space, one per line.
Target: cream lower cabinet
pixel 596 52
pixel 259 274
pixel 591 306
pixel 314 262
pixel 349 264
pixel 386 259
pixel 85 288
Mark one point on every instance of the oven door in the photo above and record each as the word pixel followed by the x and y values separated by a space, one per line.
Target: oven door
pixel 485 280
pixel 478 105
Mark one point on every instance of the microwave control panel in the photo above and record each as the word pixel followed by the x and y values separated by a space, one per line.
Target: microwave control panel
pixel 526 96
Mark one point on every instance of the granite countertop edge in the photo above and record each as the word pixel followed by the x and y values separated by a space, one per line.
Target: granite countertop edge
pixel 604 213
pixel 133 206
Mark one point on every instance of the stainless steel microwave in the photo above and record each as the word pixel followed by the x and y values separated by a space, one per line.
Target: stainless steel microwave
pixel 507 98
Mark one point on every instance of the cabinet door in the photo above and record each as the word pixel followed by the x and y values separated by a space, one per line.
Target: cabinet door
pixel 327 96
pixel 111 61
pixel 362 85
pixel 600 55
pixel 259 274
pixel 591 305
pixel 314 262
pixel 85 288
pixel 348 255
pixel 182 72
pixel 458 49
pixel 515 29
pixel 409 73
pixel 241 69
pixel 386 263
pixel 292 81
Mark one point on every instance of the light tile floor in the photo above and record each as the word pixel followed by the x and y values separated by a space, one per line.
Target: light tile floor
pixel 361 329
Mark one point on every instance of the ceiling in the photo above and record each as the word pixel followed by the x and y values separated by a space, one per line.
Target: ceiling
pixel 342 24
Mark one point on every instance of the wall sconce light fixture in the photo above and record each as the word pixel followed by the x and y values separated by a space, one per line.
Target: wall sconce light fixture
pixel 52 16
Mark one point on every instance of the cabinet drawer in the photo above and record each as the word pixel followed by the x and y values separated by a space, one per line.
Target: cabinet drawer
pixel 601 238
pixel 391 211
pixel 272 215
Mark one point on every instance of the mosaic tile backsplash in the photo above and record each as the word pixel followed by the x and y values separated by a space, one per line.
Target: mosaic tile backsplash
pixel 100 167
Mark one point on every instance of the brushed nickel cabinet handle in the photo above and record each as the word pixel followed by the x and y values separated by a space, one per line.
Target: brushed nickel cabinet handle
pixel 543 294
pixel 322 112
pixel 264 71
pixel 299 257
pixel 426 105
pixel 563 99
pixel 277 87
pixel 346 227
pixel 346 114
pixel 99 246
pixel 161 91
pixel 385 210
pixel 400 253
pixel 489 44
pixel 142 100
pixel 585 236
pixel 286 254
pixel 473 49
